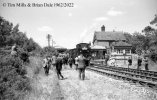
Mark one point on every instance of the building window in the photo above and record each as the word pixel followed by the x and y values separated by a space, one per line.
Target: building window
pixel 121 51
pixel 127 50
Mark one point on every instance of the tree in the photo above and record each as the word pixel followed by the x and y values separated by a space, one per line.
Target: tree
pixel 154 21
pixel 137 42
pixel 13 82
pixel 5 31
pixel 151 36
pixel 154 36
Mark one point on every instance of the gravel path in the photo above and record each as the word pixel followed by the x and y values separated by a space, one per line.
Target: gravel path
pixel 98 87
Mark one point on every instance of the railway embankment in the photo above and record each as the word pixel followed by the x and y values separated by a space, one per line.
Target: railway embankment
pixel 43 87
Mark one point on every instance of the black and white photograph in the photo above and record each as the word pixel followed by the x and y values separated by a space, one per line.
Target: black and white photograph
pixel 78 49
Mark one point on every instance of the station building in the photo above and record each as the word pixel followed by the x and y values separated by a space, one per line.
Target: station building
pixel 112 41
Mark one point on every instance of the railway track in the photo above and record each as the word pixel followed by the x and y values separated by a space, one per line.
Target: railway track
pixel 141 72
pixel 131 76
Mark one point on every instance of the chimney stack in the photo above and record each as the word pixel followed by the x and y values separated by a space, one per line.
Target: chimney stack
pixel 103 28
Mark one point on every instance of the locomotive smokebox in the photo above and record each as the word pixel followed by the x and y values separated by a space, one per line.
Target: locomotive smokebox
pixel 83 48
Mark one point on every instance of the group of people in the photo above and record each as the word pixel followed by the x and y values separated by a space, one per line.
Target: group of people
pixel 56 61
pixel 139 62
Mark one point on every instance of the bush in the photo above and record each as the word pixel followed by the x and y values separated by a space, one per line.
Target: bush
pixel 13 81
pixel 24 56
pixel 153 57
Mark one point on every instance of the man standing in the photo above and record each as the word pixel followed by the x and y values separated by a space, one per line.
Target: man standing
pixel 81 66
pixel 70 61
pixel 59 67
pixel 53 61
pixel 139 61
pixel 146 63
pixel 106 58
pixel 45 65
pixel 76 62
pixel 129 62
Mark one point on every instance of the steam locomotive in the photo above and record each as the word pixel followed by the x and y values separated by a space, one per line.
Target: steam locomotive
pixel 81 48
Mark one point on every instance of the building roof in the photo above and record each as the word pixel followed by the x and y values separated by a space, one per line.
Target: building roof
pixel 97 47
pixel 113 35
pixel 121 43
pixel 59 47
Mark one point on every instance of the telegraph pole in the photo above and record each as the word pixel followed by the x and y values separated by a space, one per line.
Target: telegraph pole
pixel 48 39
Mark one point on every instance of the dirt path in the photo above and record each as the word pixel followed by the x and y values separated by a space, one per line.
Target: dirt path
pixel 46 87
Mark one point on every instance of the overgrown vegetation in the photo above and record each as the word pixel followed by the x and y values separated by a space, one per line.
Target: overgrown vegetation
pixel 13 80
pixel 145 42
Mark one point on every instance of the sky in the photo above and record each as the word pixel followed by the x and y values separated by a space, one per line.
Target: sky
pixel 72 25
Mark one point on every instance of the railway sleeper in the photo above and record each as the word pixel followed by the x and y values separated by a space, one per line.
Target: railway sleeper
pixel 154 86
pixel 154 79
pixel 124 78
pixel 142 77
pixel 119 77
pixel 134 81
pixel 128 79
pixel 143 83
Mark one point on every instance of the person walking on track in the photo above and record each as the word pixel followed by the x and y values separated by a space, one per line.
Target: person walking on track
pixel 59 63
pixel 81 66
